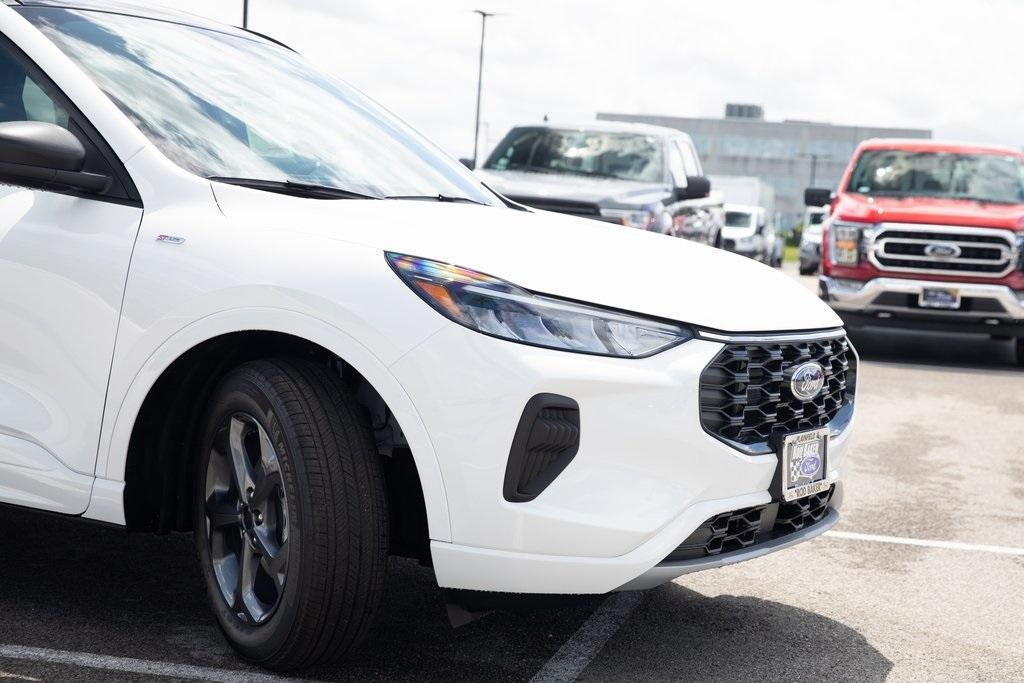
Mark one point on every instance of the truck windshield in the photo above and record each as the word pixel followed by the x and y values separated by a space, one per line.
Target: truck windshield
pixel 623 156
pixel 997 178
pixel 241 107
pixel 738 219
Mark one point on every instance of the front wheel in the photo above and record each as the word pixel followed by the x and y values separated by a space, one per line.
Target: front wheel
pixel 290 514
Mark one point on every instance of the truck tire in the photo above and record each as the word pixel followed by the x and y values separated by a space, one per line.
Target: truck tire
pixel 1019 343
pixel 290 514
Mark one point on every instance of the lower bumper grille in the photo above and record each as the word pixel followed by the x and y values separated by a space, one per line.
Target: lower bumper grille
pixel 740 529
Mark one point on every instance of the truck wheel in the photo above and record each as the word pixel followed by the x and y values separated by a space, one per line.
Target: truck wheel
pixel 290 515
pixel 1020 351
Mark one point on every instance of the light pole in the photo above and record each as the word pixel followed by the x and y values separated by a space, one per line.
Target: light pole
pixel 479 80
pixel 245 14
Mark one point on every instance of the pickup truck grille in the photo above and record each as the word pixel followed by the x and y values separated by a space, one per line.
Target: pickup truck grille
pixel 977 252
pixel 572 208
pixel 745 394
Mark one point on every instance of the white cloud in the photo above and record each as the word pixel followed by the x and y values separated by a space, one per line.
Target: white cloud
pixel 940 64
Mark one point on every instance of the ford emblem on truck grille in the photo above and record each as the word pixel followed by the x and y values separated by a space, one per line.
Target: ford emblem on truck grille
pixel 807 381
pixel 942 250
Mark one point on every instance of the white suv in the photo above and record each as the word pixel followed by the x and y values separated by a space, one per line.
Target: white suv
pixel 228 304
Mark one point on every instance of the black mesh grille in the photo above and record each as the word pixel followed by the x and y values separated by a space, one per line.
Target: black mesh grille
pixel 731 531
pixel 745 394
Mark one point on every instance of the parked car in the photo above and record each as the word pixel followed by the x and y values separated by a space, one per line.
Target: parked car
pixel 304 334
pixel 927 235
pixel 635 175
pixel 750 232
pixel 810 239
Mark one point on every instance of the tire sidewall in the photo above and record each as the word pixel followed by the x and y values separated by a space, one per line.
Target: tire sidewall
pixel 245 390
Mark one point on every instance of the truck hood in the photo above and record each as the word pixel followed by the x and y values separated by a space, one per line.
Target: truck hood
pixel 934 210
pixel 575 258
pixel 601 191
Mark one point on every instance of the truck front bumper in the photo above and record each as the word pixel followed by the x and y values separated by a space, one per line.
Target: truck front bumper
pixel 894 302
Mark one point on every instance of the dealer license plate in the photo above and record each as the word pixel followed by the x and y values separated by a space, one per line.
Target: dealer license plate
pixel 939 297
pixel 804 462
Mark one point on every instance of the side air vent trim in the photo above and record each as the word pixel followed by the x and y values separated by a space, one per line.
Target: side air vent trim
pixel 546 441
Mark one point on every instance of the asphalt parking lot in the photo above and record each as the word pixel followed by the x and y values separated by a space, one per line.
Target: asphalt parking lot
pixel 923 578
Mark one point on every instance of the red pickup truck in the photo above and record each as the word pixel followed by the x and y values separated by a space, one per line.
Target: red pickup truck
pixel 927 235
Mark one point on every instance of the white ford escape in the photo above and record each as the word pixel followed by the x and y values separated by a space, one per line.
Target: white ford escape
pixel 238 298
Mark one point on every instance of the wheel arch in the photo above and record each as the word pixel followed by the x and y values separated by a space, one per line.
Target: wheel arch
pixel 194 358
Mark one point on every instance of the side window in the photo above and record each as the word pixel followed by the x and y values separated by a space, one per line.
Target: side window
pixel 21 98
pixel 690 162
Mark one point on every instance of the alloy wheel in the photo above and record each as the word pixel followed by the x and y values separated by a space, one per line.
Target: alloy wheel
pixel 246 511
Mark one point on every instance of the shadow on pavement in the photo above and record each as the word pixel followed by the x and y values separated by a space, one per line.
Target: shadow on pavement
pixel 678 634
pixel 954 351
pixel 71 585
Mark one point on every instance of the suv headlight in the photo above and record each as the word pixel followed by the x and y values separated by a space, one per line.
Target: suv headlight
pixel 500 309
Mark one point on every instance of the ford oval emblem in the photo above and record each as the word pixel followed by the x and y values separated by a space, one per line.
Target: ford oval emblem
pixel 809 465
pixel 942 250
pixel 807 381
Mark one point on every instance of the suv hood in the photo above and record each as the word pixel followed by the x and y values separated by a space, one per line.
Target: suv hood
pixel 935 210
pixel 575 258
pixel 601 191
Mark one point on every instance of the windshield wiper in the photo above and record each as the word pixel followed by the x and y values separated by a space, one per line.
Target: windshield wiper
pixel 293 188
pixel 436 198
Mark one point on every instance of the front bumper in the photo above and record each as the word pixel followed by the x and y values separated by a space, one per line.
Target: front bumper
pixel 985 308
pixel 645 477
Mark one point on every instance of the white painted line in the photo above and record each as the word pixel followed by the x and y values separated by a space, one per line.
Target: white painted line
pixel 582 648
pixel 135 666
pixel 946 545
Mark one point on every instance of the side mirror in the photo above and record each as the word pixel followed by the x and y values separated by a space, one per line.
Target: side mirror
pixel 697 187
pixel 817 196
pixel 468 163
pixel 44 155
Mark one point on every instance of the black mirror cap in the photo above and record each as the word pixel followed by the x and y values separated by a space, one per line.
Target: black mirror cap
pixel 468 163
pixel 697 187
pixel 817 196
pixel 44 155
pixel 43 145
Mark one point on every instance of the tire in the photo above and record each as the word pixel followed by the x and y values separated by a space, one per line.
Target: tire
pixel 1019 343
pixel 312 529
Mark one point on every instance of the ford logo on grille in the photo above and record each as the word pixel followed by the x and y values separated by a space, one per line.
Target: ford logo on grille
pixel 942 250
pixel 807 381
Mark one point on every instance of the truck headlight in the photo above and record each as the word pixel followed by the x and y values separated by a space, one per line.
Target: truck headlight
pixel 500 309
pixel 844 239
pixel 642 219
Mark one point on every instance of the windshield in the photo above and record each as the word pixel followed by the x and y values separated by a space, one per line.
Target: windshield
pixel 900 173
pixel 223 105
pixel 624 156
pixel 738 219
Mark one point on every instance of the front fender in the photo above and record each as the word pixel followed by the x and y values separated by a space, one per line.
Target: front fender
pixel 122 411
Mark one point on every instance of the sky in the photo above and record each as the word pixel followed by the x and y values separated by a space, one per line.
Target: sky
pixel 950 66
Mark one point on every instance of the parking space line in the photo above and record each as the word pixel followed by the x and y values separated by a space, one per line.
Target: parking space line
pixel 946 545
pixel 586 643
pixel 135 666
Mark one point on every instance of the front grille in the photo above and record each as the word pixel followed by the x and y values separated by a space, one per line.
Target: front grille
pixel 745 395
pixel 572 208
pixel 732 531
pixel 982 252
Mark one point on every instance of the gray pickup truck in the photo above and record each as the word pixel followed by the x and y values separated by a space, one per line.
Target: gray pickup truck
pixel 639 176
